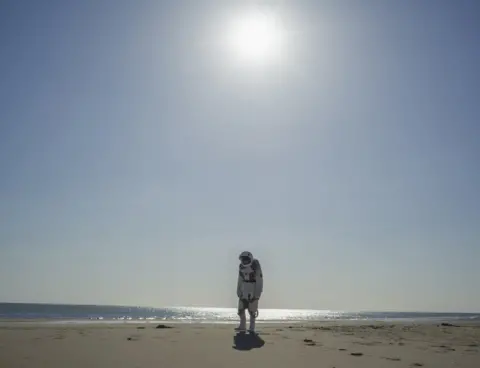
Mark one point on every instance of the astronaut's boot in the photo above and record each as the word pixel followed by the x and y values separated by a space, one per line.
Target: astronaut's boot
pixel 243 321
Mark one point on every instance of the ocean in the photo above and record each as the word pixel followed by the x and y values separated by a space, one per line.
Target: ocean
pixel 125 314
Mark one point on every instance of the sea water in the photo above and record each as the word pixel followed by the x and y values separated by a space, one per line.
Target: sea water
pixel 99 313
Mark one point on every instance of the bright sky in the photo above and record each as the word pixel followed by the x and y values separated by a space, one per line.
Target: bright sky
pixel 145 144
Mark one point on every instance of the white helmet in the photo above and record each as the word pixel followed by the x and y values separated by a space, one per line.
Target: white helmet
pixel 246 258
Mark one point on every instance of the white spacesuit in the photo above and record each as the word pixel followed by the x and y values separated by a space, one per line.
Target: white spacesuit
pixel 249 289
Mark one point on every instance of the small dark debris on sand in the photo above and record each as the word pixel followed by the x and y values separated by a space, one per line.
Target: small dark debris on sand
pixel 376 327
pixel 140 328
pixel 392 359
pixel 309 342
pixel 417 365
pixel 356 354
pixel 163 326
pixel 448 325
pixel 449 348
pixel 342 349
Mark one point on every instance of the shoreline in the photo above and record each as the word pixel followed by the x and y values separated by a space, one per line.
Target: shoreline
pixel 209 323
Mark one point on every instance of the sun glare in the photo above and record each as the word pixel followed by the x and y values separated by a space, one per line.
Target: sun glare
pixel 255 38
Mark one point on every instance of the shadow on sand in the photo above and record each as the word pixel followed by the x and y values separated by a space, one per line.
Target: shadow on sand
pixel 244 341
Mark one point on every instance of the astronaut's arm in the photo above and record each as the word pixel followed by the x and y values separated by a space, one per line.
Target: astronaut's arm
pixel 259 282
pixel 239 286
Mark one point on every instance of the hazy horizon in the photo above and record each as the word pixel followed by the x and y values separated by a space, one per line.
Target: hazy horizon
pixel 144 145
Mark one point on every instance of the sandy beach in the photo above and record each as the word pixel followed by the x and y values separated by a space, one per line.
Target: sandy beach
pixel 328 345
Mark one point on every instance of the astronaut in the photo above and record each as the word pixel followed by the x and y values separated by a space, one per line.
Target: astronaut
pixel 249 289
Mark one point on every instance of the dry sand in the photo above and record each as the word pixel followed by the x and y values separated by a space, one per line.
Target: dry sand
pixel 322 345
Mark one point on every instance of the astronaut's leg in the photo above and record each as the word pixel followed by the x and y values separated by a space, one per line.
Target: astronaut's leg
pixel 253 311
pixel 242 305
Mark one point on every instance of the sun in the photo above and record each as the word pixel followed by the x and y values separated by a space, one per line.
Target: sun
pixel 255 38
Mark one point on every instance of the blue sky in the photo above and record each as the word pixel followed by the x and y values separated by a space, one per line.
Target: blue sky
pixel 138 159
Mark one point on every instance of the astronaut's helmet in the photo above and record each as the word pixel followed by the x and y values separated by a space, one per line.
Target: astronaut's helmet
pixel 246 258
